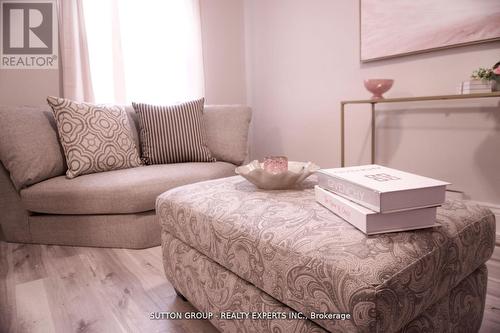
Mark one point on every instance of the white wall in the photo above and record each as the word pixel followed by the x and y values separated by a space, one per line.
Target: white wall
pixel 303 59
pixel 27 86
pixel 223 51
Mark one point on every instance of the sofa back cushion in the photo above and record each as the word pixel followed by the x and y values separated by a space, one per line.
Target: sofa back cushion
pixel 29 145
pixel 226 127
pixel 227 131
pixel 133 120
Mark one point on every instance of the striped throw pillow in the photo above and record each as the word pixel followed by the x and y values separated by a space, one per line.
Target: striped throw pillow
pixel 173 134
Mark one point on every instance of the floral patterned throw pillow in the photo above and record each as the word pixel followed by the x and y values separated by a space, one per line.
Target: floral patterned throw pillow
pixel 94 138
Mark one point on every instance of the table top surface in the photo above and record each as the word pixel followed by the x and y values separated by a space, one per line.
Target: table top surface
pixel 422 98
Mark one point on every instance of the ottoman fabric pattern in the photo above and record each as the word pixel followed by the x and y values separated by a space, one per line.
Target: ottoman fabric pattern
pixel 304 256
pixel 459 311
pixel 212 288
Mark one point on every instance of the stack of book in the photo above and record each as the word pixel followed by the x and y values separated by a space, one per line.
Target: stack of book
pixel 475 87
pixel 376 199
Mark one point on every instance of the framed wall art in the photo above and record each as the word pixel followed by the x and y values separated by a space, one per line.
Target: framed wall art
pixel 391 28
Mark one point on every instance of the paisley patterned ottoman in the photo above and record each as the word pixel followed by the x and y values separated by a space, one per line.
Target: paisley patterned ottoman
pixel 232 249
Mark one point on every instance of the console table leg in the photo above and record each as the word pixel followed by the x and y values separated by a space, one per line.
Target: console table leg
pixel 373 133
pixel 342 139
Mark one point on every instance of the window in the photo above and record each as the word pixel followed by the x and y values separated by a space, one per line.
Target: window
pixel 147 51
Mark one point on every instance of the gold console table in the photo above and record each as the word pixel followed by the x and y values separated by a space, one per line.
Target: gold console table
pixel 394 100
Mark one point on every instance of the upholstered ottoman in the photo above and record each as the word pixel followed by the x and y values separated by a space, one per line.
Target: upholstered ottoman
pixel 259 260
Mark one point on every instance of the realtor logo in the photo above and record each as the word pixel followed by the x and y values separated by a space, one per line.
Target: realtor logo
pixel 28 34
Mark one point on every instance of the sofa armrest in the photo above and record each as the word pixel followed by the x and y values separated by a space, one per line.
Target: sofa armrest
pixel 227 131
pixel 13 216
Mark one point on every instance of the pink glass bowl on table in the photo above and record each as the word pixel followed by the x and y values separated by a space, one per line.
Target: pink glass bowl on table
pixel 378 86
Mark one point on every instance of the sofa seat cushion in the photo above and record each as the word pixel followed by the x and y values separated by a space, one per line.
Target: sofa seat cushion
pixel 119 191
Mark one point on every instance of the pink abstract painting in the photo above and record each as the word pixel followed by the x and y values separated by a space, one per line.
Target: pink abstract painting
pixel 394 27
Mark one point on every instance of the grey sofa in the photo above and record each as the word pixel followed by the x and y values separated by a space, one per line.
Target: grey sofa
pixel 108 209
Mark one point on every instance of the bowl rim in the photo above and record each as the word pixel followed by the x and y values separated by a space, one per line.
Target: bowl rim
pixel 387 80
pixel 314 168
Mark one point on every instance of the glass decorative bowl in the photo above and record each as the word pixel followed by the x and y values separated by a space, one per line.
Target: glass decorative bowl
pixel 378 86
pixel 255 173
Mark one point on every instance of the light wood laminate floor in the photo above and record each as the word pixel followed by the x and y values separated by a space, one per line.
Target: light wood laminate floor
pixel 47 288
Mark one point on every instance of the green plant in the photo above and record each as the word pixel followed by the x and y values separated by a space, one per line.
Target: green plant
pixel 485 74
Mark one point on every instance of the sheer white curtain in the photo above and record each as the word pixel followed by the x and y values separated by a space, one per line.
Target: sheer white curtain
pixel 145 51
pixel 75 70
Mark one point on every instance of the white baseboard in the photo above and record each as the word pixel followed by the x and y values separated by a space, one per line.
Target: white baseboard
pixel 495 208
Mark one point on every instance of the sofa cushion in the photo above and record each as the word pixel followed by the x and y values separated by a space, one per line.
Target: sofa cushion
pixel 227 131
pixel 134 125
pixel 173 134
pixel 117 192
pixel 29 147
pixel 95 138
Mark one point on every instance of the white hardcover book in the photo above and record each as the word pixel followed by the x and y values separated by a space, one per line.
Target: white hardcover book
pixel 383 189
pixel 371 222
pixel 475 87
pixel 475 91
pixel 477 84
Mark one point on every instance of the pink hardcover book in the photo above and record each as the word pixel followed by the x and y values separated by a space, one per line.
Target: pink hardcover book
pixel 371 222
pixel 383 189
